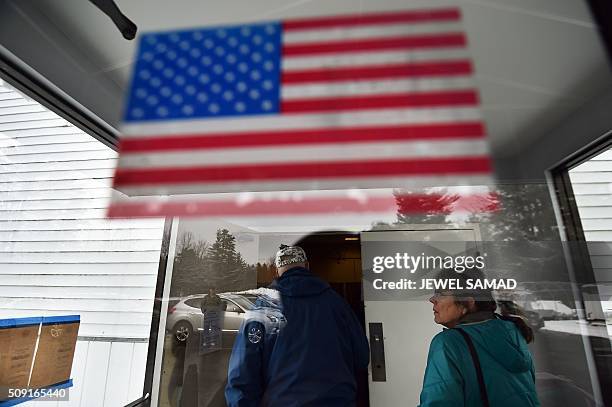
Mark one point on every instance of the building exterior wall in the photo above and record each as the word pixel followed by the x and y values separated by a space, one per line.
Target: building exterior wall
pixel 592 186
pixel 60 256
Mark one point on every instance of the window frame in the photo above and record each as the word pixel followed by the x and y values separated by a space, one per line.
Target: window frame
pixel 232 303
pixel 578 256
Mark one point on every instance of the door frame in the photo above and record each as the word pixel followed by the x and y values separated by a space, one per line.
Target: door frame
pixel 473 227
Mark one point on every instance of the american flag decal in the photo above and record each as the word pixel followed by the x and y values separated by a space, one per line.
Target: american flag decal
pixel 369 101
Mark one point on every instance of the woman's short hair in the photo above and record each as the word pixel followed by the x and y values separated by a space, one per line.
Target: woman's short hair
pixel 484 299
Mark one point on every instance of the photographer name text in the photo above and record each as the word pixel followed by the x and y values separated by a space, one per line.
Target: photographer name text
pixel 445 284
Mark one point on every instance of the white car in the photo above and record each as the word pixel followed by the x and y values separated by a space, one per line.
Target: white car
pixel 185 317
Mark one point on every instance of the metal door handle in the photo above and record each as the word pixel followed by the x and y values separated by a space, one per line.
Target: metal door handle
pixel 377 352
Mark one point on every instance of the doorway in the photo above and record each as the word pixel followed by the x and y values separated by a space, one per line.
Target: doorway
pixel 400 321
pixel 336 258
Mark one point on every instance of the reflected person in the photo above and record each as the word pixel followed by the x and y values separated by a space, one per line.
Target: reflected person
pixel 211 302
pixel 309 360
pixel 499 348
pixel 212 305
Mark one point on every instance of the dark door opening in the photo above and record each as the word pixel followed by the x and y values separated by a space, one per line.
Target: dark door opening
pixel 336 258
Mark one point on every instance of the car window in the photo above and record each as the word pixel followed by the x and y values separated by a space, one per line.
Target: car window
pixel 194 302
pixel 245 302
pixel 231 307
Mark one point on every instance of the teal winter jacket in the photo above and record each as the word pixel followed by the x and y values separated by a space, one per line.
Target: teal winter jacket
pixel 450 376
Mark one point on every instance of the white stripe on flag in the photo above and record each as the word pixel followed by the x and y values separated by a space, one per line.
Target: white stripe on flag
pixel 360 195
pixel 303 184
pixel 319 210
pixel 368 32
pixel 391 86
pixel 387 117
pixel 307 153
pixel 305 224
pixel 351 59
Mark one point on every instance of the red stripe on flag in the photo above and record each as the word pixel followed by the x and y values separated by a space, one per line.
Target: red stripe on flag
pixel 447 14
pixel 469 130
pixel 429 99
pixel 303 170
pixel 441 68
pixel 413 203
pixel 376 44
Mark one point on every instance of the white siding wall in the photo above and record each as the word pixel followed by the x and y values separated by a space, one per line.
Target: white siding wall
pixel 59 255
pixel 592 185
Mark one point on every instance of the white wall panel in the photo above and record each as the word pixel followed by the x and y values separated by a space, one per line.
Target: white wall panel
pixel 27 108
pixel 60 165
pixel 16 102
pixel 49 204
pixel 82 235
pixel 598 236
pixel 37 215
pixel 80 246
pixel 84 258
pixel 595 212
pixel 72 305
pixel 76 268
pixel 586 177
pixel 58 175
pixel 30 125
pixel 65 292
pixel 116 317
pixel 592 185
pixel 94 382
pixel 139 361
pixel 118 374
pixel 599 248
pixel 81 224
pixel 594 200
pixel 593 166
pixel 55 185
pixel 79 365
pixel 50 194
pixel 593 188
pixel 51 148
pixel 9 96
pixel 605 276
pixel 59 255
pixel 115 371
pixel 77 280
pixel 602 262
pixel 114 330
pixel 44 131
pixel 598 224
pixel 46 139
pixel 26 117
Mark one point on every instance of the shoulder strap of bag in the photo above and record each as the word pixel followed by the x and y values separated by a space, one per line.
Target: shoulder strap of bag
pixel 481 383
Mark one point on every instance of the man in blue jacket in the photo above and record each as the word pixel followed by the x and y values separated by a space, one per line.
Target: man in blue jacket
pixel 303 350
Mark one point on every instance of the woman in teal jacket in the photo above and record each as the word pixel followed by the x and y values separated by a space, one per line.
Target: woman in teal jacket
pixel 500 343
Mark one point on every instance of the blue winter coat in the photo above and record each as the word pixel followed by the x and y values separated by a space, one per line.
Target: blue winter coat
pixel 450 376
pixel 309 358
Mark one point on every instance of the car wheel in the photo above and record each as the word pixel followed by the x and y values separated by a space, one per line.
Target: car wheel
pixel 182 330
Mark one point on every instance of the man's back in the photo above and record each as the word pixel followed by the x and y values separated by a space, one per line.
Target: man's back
pixel 313 357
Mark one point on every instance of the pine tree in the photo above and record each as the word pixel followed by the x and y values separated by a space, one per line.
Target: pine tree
pixel 190 266
pixel 228 268
pixel 199 266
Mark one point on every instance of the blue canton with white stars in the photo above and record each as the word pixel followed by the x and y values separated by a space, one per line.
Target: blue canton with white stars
pixel 206 73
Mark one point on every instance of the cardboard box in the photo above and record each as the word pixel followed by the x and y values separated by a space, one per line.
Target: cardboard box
pixel 56 345
pixel 17 344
